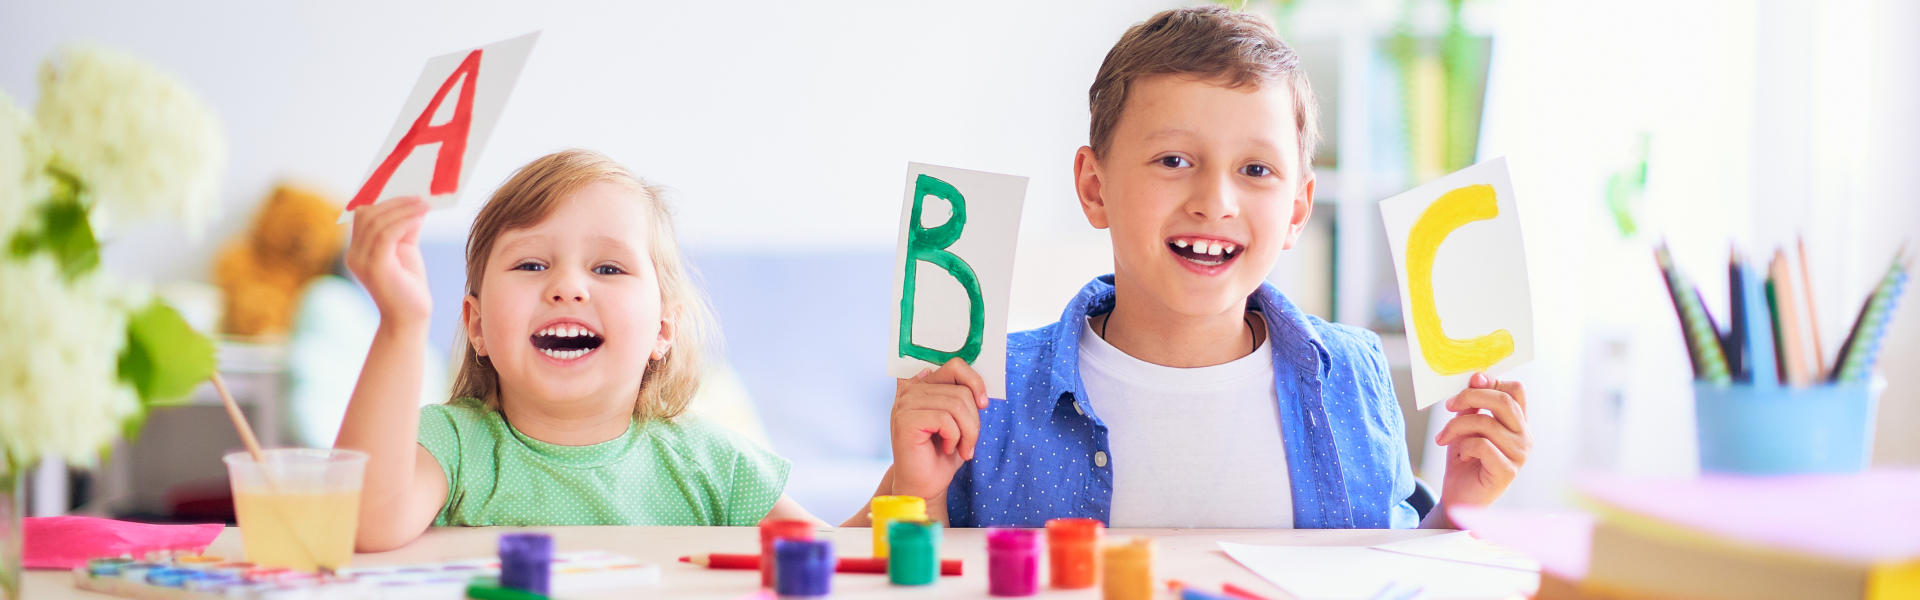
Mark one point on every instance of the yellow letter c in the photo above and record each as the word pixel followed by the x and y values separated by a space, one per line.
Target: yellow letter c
pixel 1449 356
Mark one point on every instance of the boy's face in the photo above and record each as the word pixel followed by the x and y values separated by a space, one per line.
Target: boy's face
pixel 1201 188
pixel 570 309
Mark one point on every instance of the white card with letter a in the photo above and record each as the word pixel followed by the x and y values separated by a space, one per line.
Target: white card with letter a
pixel 954 272
pixel 444 125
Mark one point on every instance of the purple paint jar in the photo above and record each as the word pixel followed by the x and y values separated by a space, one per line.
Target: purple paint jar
pixel 1013 562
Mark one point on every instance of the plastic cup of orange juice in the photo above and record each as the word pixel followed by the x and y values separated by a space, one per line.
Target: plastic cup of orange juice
pixel 300 508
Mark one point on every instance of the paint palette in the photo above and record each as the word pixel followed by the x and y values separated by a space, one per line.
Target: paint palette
pixel 211 578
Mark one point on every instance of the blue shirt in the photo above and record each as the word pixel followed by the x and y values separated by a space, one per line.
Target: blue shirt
pixel 1042 451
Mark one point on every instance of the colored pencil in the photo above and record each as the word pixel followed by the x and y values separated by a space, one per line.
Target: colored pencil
pixel 949 567
pixel 1703 342
pixel 1738 330
pixel 1813 315
pixel 1240 592
pixel 1790 351
pixel 1753 321
pixel 1862 347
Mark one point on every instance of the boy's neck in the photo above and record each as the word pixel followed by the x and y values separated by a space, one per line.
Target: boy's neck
pixel 581 425
pixel 1150 331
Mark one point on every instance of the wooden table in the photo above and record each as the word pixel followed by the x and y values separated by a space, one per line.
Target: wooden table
pixel 1189 555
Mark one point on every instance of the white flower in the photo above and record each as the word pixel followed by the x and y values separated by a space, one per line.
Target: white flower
pixel 15 198
pixel 60 345
pixel 137 138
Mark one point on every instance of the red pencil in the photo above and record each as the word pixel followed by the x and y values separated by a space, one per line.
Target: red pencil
pixel 1240 592
pixel 948 566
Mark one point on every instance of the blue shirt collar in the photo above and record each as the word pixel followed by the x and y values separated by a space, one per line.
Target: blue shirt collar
pixel 1294 339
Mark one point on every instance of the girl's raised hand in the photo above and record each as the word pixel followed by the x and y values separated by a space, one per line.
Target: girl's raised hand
pixel 385 255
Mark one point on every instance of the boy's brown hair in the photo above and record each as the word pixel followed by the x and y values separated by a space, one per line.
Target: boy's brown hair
pixel 528 198
pixel 1211 43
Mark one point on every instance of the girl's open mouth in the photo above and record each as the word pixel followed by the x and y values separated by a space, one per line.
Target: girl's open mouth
pixel 566 341
pixel 1204 252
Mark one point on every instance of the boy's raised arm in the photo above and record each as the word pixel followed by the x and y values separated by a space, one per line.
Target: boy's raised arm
pixel 403 488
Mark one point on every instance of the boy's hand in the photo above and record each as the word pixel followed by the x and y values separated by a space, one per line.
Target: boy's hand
pixel 936 419
pixel 1484 451
pixel 385 255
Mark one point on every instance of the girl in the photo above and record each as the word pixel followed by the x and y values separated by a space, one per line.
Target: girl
pixel 581 350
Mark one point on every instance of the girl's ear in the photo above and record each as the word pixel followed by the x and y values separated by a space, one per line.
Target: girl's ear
pixel 669 326
pixel 470 315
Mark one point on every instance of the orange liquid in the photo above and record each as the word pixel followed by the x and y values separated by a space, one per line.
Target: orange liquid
pixel 298 531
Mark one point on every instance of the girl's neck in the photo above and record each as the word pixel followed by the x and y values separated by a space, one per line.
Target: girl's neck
pixel 571 424
pixel 1153 332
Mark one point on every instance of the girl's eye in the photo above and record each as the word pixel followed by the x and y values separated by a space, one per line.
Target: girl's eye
pixel 607 270
pixel 1256 171
pixel 1174 162
pixel 530 266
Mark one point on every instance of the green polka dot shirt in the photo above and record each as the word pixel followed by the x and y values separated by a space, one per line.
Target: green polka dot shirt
pixel 686 471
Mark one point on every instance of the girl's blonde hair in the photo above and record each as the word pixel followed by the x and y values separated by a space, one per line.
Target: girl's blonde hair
pixel 528 198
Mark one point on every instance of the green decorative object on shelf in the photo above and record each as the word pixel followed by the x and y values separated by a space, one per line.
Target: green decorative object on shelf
pixel 1625 189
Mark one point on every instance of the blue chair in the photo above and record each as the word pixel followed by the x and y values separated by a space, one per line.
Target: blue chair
pixel 1423 498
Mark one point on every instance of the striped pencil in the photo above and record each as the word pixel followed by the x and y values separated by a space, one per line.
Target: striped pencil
pixel 1862 347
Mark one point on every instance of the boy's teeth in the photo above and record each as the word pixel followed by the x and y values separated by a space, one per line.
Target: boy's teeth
pixel 1179 243
pixel 1213 248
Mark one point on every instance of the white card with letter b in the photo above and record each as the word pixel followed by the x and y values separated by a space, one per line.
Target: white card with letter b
pixel 954 272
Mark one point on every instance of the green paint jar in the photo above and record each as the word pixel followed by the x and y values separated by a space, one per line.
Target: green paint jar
pixel 913 554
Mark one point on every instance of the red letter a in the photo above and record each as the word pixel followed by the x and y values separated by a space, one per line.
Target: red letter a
pixel 452 138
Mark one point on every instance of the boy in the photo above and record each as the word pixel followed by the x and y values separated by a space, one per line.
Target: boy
pixel 1183 390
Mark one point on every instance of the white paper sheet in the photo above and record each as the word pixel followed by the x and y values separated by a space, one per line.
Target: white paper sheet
pixel 1462 546
pixel 955 289
pixel 1358 572
pixel 418 168
pixel 1460 258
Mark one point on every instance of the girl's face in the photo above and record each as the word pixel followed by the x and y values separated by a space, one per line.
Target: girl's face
pixel 569 309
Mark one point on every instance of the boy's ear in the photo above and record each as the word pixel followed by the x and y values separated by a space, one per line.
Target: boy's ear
pixel 669 328
pixel 1086 183
pixel 1302 209
pixel 470 316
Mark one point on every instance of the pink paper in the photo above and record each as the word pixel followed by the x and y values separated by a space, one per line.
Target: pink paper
pixel 68 542
pixel 1562 542
pixel 1869 517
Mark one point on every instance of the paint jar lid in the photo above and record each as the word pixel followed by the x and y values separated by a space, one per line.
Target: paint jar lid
pixel 1011 540
pixel 786 528
pixel 1073 530
pixel 1134 550
pixel 917 531
pixel 899 507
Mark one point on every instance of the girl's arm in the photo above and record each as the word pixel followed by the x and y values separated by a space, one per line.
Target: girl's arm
pixel 404 487
pixel 786 508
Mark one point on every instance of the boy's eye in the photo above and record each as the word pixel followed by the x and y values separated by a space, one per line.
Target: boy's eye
pixel 529 266
pixel 1174 162
pixel 607 270
pixel 1256 171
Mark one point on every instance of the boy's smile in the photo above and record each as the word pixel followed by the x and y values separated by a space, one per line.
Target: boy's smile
pixel 1201 187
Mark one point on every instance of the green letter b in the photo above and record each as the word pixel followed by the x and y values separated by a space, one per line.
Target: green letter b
pixel 930 245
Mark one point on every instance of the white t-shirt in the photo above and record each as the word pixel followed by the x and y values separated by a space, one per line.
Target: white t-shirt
pixel 1190 448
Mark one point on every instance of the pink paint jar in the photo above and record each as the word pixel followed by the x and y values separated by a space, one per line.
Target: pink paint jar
pixel 1013 562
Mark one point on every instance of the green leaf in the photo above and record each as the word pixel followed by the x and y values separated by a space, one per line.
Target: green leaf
pixel 165 358
pixel 63 232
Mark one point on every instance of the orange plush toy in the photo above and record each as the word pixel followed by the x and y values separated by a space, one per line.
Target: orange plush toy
pixel 294 238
